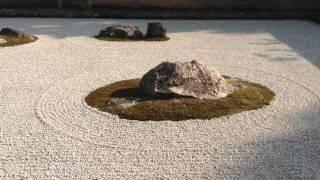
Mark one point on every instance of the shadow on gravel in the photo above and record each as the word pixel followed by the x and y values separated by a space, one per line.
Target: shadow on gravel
pixel 293 153
pixel 295 156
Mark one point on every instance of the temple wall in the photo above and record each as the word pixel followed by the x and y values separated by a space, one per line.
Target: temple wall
pixel 275 5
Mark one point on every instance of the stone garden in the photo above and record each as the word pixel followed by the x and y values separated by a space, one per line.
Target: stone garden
pixel 159 99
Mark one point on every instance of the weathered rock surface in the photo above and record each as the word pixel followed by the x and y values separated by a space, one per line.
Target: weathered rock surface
pixel 185 79
pixel 121 31
pixel 155 29
pixel 15 33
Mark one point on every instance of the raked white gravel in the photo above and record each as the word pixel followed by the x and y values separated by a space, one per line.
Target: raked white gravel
pixel 48 132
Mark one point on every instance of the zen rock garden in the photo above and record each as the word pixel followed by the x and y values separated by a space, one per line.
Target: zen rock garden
pixel 180 91
pixel 13 37
pixel 155 32
pixel 222 99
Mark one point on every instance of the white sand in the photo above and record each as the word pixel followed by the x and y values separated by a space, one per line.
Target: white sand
pixel 48 132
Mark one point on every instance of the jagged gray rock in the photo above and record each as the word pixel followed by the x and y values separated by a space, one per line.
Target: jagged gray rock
pixel 121 31
pixel 185 79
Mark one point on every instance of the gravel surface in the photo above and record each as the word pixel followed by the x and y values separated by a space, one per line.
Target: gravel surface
pixel 48 132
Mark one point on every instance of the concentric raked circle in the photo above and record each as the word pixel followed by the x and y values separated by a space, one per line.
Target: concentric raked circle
pixel 63 107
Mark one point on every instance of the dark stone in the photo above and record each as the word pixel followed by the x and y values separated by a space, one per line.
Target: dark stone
pixel 15 33
pixel 185 79
pixel 12 32
pixel 121 31
pixel 156 29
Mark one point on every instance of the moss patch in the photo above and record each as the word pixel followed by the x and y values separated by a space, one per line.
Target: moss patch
pixel 133 40
pixel 14 41
pixel 252 96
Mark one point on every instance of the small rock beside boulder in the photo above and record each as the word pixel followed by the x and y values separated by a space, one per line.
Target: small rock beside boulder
pixel 156 30
pixel 122 102
pixel 191 79
pixel 121 31
pixel 12 32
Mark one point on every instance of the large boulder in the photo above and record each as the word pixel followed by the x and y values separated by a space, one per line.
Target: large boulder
pixel 191 79
pixel 121 31
pixel 155 29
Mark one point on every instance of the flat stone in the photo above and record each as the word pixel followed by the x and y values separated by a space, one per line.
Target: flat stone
pixel 185 79
pixel 237 83
pixel 122 102
pixel 3 41
pixel 121 31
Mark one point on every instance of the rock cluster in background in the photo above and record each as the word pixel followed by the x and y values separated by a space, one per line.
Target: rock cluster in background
pixel 155 30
